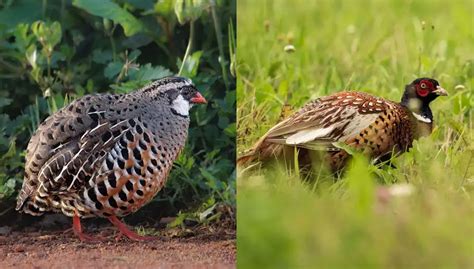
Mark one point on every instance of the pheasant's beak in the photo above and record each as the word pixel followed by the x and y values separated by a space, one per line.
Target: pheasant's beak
pixel 198 99
pixel 440 91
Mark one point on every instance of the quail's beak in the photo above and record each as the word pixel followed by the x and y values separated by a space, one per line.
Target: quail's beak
pixel 198 99
pixel 440 91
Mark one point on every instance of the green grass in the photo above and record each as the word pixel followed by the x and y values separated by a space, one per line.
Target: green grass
pixel 376 47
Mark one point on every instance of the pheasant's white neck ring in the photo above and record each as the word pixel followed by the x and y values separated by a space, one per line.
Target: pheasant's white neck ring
pixel 181 106
pixel 421 118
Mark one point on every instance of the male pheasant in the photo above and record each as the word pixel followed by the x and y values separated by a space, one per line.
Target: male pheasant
pixel 107 155
pixel 364 122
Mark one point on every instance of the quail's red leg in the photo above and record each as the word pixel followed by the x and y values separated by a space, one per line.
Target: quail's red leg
pixel 77 228
pixel 127 232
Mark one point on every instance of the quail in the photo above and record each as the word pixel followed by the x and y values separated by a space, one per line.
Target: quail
pixel 373 125
pixel 107 155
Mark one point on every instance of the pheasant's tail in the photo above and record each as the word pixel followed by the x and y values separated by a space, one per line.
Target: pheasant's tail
pixel 247 158
pixel 261 151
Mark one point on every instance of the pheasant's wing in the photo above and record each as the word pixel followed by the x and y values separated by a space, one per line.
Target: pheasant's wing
pixel 321 123
pixel 64 139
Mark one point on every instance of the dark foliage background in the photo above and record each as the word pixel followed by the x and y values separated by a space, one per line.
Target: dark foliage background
pixel 52 52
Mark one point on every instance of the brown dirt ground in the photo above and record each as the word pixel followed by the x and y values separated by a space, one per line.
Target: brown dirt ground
pixel 199 247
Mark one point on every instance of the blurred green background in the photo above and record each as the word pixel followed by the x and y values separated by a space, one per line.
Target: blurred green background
pixel 52 52
pixel 419 215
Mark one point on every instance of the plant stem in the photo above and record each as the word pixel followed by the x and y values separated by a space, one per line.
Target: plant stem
pixel 49 65
pixel 110 34
pixel 45 3
pixel 189 47
pixel 63 10
pixel 217 28
pixel 112 44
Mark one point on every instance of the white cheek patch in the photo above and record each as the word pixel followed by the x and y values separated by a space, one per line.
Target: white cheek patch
pixel 421 118
pixel 181 106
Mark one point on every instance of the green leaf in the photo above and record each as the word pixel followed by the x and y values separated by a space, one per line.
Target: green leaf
pixel 142 4
pixel 230 130
pixel 101 56
pixel 188 10
pixel 178 221
pixel 164 7
pixel 191 65
pixel 206 213
pixel 55 34
pixel 5 101
pixel 22 37
pixel 22 11
pixel 211 179
pixel 128 86
pixel 149 72
pixel 112 69
pixel 110 10
pixel 48 34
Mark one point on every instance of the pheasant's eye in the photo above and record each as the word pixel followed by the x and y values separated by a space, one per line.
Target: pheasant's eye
pixel 423 85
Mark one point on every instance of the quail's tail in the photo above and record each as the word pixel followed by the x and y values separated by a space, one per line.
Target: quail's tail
pixel 23 196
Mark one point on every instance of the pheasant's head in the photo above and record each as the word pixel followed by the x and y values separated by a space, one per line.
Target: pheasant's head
pixel 177 92
pixel 419 94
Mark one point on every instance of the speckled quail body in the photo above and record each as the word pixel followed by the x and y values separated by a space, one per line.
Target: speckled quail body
pixel 370 124
pixel 107 154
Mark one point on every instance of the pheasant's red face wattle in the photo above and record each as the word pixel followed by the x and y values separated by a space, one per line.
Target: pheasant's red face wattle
pixel 424 88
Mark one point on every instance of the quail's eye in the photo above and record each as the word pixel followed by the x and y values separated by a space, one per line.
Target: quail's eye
pixel 423 85
pixel 186 92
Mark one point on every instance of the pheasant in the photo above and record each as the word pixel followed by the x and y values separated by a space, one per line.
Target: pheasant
pixel 370 124
pixel 107 155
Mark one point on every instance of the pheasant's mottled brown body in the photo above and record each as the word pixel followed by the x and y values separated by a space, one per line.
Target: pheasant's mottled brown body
pixel 107 155
pixel 376 126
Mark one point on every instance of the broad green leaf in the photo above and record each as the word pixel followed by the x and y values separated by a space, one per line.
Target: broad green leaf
pixel 101 56
pixel 230 130
pixel 23 11
pixel 112 69
pixel 22 37
pixel 134 55
pixel 110 10
pixel 5 101
pixel 55 34
pixel 128 86
pixel 142 4
pixel 149 72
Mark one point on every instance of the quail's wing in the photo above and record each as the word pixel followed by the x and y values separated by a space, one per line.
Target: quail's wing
pixel 62 145
pixel 330 119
